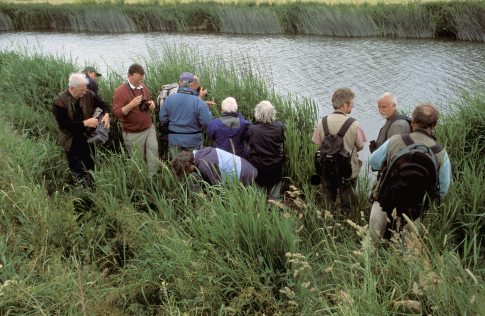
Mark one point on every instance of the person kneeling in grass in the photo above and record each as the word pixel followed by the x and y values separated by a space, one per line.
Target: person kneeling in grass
pixel 214 165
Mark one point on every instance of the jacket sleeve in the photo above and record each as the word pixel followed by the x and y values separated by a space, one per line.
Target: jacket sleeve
pixel 163 115
pixel 211 129
pixel 205 115
pixel 377 158
pixel 119 101
pixel 208 171
pixel 445 176
pixel 65 123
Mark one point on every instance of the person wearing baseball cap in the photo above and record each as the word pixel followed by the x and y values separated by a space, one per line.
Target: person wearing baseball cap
pixel 91 74
pixel 184 115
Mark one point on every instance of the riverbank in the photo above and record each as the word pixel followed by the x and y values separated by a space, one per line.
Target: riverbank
pixel 458 20
pixel 153 247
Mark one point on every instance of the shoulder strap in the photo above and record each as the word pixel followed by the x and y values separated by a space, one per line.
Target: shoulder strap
pixel 345 127
pixel 325 126
pixel 407 139
pixel 436 148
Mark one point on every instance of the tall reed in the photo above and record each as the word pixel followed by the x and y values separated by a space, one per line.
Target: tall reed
pixel 138 245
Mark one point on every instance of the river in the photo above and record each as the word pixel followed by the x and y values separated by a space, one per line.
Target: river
pixel 306 66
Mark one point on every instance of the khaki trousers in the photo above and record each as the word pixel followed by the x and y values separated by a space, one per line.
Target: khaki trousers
pixel 145 145
pixel 378 222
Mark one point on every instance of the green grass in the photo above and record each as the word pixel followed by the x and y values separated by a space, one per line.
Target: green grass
pixel 456 19
pixel 153 246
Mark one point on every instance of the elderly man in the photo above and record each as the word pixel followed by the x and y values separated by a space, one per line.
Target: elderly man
pixel 396 124
pixel 132 105
pixel 403 194
pixel 353 141
pixel 184 115
pixel 214 165
pixel 228 131
pixel 91 75
pixel 74 109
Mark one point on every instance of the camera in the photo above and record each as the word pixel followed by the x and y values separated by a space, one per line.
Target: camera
pixel 144 106
pixel 100 134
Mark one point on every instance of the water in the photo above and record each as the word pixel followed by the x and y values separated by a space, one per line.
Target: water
pixel 306 66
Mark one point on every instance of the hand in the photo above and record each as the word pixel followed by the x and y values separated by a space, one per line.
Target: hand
pixel 91 122
pixel 203 93
pixel 105 120
pixel 151 105
pixel 136 101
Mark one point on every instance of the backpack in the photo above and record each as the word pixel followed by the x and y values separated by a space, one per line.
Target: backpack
pixel 332 160
pixel 410 180
pixel 165 91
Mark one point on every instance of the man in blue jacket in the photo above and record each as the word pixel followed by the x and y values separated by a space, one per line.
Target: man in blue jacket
pixel 185 115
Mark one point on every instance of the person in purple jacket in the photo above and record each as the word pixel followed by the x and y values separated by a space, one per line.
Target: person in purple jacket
pixel 228 131
pixel 214 165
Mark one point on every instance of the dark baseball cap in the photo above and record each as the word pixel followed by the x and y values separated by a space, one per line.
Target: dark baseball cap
pixel 186 77
pixel 91 69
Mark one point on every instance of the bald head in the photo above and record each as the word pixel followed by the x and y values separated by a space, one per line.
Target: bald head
pixel 425 116
pixel 387 104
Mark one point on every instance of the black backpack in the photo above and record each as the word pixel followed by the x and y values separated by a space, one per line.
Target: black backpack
pixel 332 160
pixel 410 180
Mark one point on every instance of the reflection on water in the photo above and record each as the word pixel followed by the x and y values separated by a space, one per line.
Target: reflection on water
pixel 416 70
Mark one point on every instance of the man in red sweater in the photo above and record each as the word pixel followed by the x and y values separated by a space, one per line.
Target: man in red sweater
pixel 132 105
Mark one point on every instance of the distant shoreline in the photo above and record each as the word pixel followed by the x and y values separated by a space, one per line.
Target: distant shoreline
pixel 451 20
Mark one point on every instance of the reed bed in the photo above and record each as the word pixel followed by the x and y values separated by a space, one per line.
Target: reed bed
pixel 135 245
pixel 461 20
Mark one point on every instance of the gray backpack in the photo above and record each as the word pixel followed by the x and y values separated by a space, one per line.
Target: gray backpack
pixel 165 91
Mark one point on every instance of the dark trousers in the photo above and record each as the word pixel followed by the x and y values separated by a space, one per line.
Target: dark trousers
pixel 348 197
pixel 81 160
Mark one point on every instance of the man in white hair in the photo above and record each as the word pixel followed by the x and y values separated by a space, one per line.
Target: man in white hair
pixel 266 138
pixel 229 130
pixel 73 110
pixel 396 123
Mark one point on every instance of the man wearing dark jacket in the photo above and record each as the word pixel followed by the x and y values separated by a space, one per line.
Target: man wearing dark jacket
pixel 73 110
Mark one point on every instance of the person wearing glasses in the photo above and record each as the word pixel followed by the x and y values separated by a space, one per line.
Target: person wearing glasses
pixel 132 105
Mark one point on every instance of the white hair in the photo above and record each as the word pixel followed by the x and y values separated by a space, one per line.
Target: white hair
pixel 391 98
pixel 265 112
pixel 229 105
pixel 77 79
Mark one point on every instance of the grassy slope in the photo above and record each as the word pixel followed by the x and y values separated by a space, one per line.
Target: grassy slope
pixel 154 247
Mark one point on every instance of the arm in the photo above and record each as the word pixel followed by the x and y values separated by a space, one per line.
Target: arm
pixel 360 139
pixel 378 157
pixel 121 105
pixel 445 176
pixel 211 129
pixel 71 126
pixel 317 137
pixel 205 115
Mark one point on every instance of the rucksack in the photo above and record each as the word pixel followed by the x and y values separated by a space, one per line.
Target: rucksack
pixel 165 91
pixel 332 160
pixel 410 179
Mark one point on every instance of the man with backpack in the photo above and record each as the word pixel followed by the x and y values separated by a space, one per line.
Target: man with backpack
pixel 415 169
pixel 340 138
pixel 396 123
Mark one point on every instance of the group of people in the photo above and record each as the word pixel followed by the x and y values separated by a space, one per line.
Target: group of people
pixel 244 151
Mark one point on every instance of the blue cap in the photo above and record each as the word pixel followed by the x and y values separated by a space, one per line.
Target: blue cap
pixel 186 77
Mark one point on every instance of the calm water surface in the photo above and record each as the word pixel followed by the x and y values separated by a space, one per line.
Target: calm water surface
pixel 307 66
